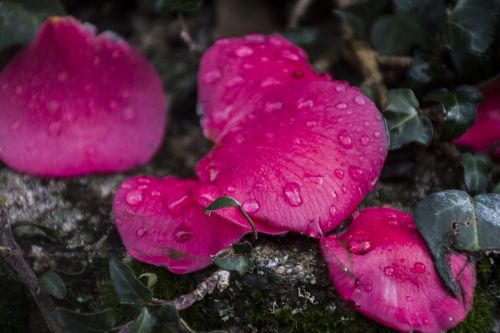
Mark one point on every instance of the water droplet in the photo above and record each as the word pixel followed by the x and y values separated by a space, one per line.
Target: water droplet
pixel 126 186
pixel 419 268
pixel 62 76
pixel 231 189
pixel 450 318
pixel 301 104
pixel 177 206
pixel 366 124
pixel 340 87
pixel 333 211
pixel 272 106
pixel 182 234
pixel 345 139
pixel 270 81
pixel 339 173
pixel 392 219
pixel 311 123
pixel 251 206
pixel 212 76
pixel 359 246
pixel 155 193
pixel 141 232
pixel 287 54
pixel 315 179
pixel 365 141
pixel 264 59
pixel 356 173
pixel 344 189
pixel 128 113
pixel 54 128
pixel 213 172
pixel 292 194
pixel 360 100
pixel 376 134
pixel 134 197
pixel 15 125
pixel 234 81
pixel 118 221
pixel 243 51
pixel 341 106
pixel 389 271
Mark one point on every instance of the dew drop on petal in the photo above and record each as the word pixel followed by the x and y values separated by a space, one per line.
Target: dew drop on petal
pixel 134 197
pixel 360 100
pixel 376 134
pixel 356 173
pixel 365 141
pixel 182 234
pixel 272 106
pixel 345 139
pixel 292 194
pixel 339 173
pixel 243 51
pixel 359 246
pixel 419 268
pixel 313 178
pixel 389 271
pixel 141 232
pixel 341 106
pixel 212 76
pixel 251 206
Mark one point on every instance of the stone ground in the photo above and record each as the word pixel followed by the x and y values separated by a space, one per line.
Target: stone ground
pixel 288 289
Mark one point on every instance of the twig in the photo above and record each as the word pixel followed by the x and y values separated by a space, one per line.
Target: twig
pixel 298 11
pixel 398 62
pixel 12 254
pixel 186 36
pixel 218 280
pixel 249 220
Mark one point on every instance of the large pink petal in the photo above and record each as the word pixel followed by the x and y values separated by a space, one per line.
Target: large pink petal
pixel 486 130
pixel 161 224
pixel 304 164
pixel 382 267
pixel 72 103
pixel 236 72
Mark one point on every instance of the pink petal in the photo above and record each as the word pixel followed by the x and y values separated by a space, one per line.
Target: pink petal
pixel 161 224
pixel 486 130
pixel 382 267
pixel 72 103
pixel 305 165
pixel 236 72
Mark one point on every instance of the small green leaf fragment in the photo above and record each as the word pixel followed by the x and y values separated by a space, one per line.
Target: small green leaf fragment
pixel 74 322
pixel 128 288
pixel 244 247
pixel 458 107
pixel 151 279
pixel 49 232
pixel 143 324
pixel 52 284
pixel 238 263
pixel 497 188
pixel 477 171
pixel 404 123
pixel 221 202
pixel 487 207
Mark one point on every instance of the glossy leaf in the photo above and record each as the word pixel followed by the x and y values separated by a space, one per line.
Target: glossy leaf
pixel 477 171
pixel 129 289
pixel 74 322
pixel 471 25
pixel 432 12
pixel 151 279
pixel 178 5
pixel 20 19
pixel 404 123
pixel 143 323
pixel 221 202
pixel 453 220
pixel 458 107
pixel 52 284
pixel 425 69
pixel 238 263
pixel 396 34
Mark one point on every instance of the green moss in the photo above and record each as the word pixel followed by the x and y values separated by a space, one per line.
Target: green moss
pixel 15 307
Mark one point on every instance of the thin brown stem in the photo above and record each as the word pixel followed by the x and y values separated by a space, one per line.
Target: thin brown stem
pixel 12 254
pixel 186 36
pixel 395 62
pixel 249 220
pixel 298 12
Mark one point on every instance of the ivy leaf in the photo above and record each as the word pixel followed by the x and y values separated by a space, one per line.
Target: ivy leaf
pixel 430 12
pixel 52 284
pixel 477 171
pixel 238 263
pixel 458 107
pixel 143 323
pixel 396 34
pixel 221 202
pixel 20 19
pixel 453 220
pixel 425 69
pixel 244 247
pixel 178 5
pixel 404 123
pixel 74 322
pixel 129 289
pixel 49 232
pixel 471 25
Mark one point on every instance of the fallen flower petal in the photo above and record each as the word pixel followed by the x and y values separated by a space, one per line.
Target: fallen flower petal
pixel 73 102
pixel 381 266
pixel 161 224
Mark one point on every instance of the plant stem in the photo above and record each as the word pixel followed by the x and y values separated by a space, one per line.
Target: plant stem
pixel 254 230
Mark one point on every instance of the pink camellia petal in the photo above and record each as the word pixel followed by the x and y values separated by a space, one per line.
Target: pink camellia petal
pixel 486 130
pixel 304 164
pixel 73 102
pixel 161 224
pixel 382 267
pixel 236 72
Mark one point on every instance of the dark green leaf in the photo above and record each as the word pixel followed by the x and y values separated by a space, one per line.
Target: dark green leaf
pixel 477 171
pixel 396 34
pixel 357 24
pixel 151 279
pixel 238 263
pixel 471 25
pixel 497 188
pixel 221 202
pixel 167 319
pixel 129 289
pixel 20 19
pixel 458 107
pixel 244 247
pixel 49 232
pixel 429 12
pixel 453 220
pixel 368 10
pixel 404 123
pixel 143 324
pixel 52 284
pixel 303 35
pixel 74 322
pixel 425 68
pixel 178 5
